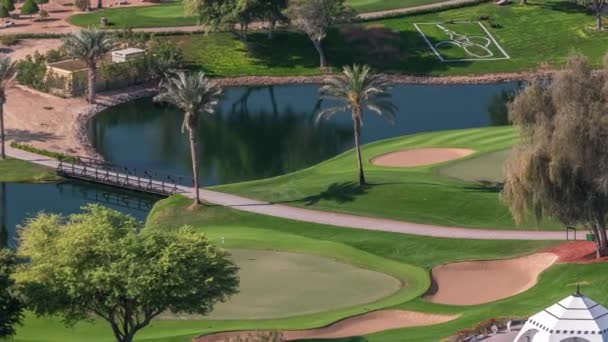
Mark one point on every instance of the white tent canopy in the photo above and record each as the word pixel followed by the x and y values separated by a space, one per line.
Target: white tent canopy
pixel 573 319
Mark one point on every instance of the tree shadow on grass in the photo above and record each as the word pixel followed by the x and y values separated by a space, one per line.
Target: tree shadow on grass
pixel 486 186
pixel 337 192
pixel 382 48
pixel 562 6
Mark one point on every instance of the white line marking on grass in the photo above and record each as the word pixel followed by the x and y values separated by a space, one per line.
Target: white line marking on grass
pixel 488 37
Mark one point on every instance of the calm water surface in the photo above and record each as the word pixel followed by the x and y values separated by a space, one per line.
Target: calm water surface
pixel 267 131
pixel 19 201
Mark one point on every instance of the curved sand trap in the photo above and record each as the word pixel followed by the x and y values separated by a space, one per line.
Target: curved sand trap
pixel 364 324
pixel 477 282
pixel 420 156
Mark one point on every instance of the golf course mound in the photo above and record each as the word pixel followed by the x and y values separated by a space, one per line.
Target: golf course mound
pixel 360 325
pixel 478 282
pixel 284 284
pixel 420 157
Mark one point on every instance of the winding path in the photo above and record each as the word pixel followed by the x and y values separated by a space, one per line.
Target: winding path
pixel 337 219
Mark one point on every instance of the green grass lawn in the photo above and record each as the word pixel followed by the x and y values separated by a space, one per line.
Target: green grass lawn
pixel 172 14
pixel 13 170
pixel 420 194
pixel 555 27
pixel 406 257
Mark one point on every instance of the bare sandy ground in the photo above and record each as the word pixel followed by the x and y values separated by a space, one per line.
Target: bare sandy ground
pixel 420 156
pixel 353 326
pixel 477 282
pixel 29 46
pixel 42 120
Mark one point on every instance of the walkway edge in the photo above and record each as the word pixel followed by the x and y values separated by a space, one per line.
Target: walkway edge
pixel 335 219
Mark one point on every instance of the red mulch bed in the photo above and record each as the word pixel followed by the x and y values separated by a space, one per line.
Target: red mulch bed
pixel 580 252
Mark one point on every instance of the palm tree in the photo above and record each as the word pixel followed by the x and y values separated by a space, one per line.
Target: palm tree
pixel 355 89
pixel 89 46
pixel 195 94
pixel 7 72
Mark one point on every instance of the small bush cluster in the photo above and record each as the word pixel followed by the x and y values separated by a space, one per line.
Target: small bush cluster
pixel 9 40
pixel 483 328
pixel 31 71
pixel 50 154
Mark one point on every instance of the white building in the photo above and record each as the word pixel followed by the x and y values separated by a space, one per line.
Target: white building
pixel 124 55
pixel 573 319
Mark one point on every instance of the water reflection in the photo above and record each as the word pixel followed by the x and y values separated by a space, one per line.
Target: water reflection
pixel 262 132
pixel 19 201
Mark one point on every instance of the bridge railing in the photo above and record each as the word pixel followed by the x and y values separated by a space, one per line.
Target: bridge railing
pixel 105 173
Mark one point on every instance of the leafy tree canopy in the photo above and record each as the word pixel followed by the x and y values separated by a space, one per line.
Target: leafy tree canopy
pixel 102 262
pixel 560 166
pixel 10 306
pixel 29 7
pixel 8 5
pixel 4 13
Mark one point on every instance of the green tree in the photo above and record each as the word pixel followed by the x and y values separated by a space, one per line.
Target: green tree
pixel 4 13
pixel 41 3
pixel 355 89
pixel 271 11
pixel 8 4
pixel 597 6
pixel 233 15
pixel 102 262
pixel 29 7
pixel 7 72
pixel 195 94
pixel 314 17
pixel 12 308
pixel 89 46
pixel 559 168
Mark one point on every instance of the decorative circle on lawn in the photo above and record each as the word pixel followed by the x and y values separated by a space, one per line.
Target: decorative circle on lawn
pixel 420 156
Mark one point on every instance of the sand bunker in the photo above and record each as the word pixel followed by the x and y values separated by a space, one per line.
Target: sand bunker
pixel 477 282
pixel 354 326
pixel 420 156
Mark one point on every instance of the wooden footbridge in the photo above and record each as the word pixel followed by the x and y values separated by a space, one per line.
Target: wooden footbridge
pixel 97 171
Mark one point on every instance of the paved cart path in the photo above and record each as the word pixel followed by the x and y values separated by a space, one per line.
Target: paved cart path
pixel 338 219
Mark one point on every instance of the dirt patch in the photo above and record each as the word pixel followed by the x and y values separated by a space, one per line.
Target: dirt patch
pixel 420 156
pixel 353 326
pixel 579 252
pixel 29 46
pixel 477 282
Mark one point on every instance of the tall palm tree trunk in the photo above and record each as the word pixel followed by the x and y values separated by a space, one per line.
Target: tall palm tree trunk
pixel 194 156
pixel 92 80
pixel 2 151
pixel 357 130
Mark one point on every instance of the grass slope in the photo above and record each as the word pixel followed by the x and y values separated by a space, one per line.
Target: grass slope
pixel 172 14
pixel 418 194
pixel 555 27
pixel 393 254
pixel 13 170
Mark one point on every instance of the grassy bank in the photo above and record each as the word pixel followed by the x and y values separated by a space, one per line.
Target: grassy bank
pixel 173 14
pixel 555 27
pixel 420 194
pixel 13 170
pixel 403 256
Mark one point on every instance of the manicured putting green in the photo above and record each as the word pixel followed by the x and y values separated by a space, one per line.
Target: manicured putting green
pixel 485 168
pixel 281 284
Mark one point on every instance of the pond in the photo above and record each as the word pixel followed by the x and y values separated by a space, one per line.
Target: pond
pixel 260 132
pixel 19 201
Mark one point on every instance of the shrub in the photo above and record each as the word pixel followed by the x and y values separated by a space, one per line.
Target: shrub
pixel 29 7
pixel 31 72
pixel 8 4
pixel 51 154
pixel 82 5
pixel 9 40
pixel 43 14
